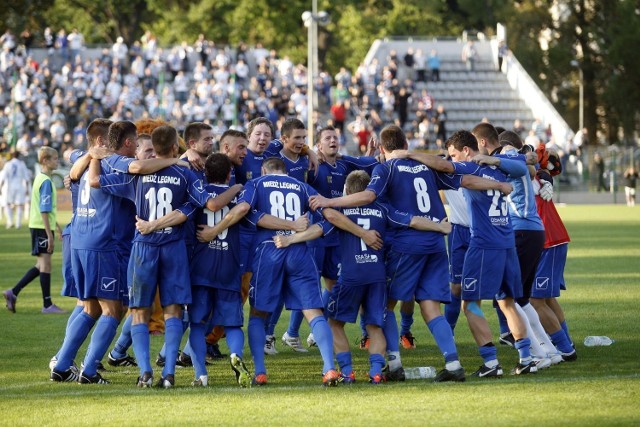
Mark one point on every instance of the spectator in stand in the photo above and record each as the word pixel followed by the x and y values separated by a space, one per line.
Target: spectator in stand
pixel 76 43
pixel 434 65
pixel 469 55
pixel 420 65
pixel 339 114
pixel 441 126
pixel 630 178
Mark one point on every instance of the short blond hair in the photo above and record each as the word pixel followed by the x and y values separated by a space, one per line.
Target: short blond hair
pixel 357 181
pixel 45 153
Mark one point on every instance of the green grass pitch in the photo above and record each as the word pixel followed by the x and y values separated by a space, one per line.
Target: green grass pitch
pixel 601 388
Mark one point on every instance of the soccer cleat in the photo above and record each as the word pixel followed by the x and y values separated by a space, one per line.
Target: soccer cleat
pixel 525 368
pixel 10 298
pixel 201 381
pixel 146 380
pixel 364 343
pixel 214 353
pixel 270 345
pixel 330 378
pixel 259 379
pixel 166 382
pixel 486 372
pixel 556 358
pixel 184 360
pixel 243 377
pixel 395 375
pixel 94 379
pixel 447 375
pixel 160 360
pixel 53 362
pixel 52 309
pixel 407 341
pixel 376 379
pixel 63 376
pixel 311 341
pixel 294 342
pixel 569 357
pixel 121 361
pixel 507 339
pixel 542 363
pixel 347 379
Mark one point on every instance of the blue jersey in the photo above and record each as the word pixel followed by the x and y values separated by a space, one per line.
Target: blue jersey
pixel 279 195
pixel 156 195
pixel 297 169
pixel 74 186
pixel 217 263
pixel 189 226
pixel 251 167
pixel 410 186
pixel 360 264
pixel 101 221
pixel 523 210
pixel 490 225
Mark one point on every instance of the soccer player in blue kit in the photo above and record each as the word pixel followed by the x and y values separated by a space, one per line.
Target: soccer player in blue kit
pixel 160 258
pixel 491 269
pixel 281 273
pixel 416 264
pixel 362 281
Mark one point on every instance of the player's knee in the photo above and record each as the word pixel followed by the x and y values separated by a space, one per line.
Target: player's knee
pixel 472 307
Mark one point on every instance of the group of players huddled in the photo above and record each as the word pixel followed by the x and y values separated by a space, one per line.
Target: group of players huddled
pixel 265 219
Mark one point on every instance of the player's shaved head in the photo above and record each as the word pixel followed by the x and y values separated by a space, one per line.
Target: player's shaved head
pixel 356 182
pixel 274 165
pixel 164 138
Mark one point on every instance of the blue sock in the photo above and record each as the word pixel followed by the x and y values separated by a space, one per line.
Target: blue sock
pixel 124 340
pixel 103 334
pixel 140 337
pixel 324 338
pixel 406 320
pixel 198 348
pixel 452 311
pixel 76 311
pixel 79 330
pixel 390 329
pixel 488 352
pixel 235 339
pixel 504 326
pixel 273 318
pixel 376 362
pixel 565 328
pixel 173 331
pixel 443 335
pixel 325 302
pixel 294 323
pixel 561 341
pixel 363 326
pixel 163 350
pixel 522 345
pixel 345 363
pixel 257 338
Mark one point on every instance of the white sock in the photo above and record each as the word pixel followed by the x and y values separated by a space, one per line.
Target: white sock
pixel 8 210
pixel 18 216
pixel 453 366
pixel 538 329
pixel 393 358
pixel 536 349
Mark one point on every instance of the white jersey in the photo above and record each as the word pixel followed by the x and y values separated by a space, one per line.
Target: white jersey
pixel 458 210
pixel 15 182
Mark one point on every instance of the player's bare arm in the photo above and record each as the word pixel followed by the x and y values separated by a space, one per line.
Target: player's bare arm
pixel 206 234
pixel 473 182
pixel 310 233
pixel 350 201
pixel 424 224
pixel 220 201
pixel 174 217
pixel 274 223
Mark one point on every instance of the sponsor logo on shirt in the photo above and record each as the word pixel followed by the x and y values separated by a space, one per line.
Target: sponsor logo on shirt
pixel 366 258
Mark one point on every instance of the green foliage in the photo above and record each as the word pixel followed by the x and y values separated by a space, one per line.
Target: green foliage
pixel 603 290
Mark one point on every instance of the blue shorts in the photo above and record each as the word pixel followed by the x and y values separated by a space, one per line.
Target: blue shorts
pixel 288 273
pixel 247 249
pixel 458 242
pixel 491 273
pixel 327 260
pixel 216 306
pixel 345 301
pixel 164 267
pixel 97 274
pixel 423 277
pixel 550 273
pixel 68 284
pixel 208 268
